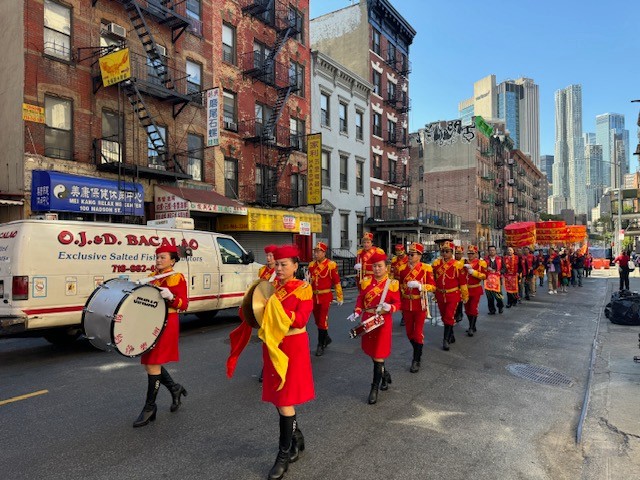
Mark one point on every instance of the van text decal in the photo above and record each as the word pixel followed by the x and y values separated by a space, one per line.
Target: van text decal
pixel 11 234
pixel 81 239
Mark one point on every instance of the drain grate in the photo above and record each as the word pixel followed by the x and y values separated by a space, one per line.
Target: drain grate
pixel 539 374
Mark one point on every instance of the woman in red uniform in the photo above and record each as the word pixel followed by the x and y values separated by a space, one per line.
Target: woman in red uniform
pixel 173 289
pixel 476 273
pixel 377 343
pixel 288 380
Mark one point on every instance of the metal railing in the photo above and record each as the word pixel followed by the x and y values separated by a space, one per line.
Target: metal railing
pixel 256 64
pixel 414 212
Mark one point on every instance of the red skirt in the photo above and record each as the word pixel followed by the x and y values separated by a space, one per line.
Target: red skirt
pixel 166 349
pixel 298 387
pixel 377 343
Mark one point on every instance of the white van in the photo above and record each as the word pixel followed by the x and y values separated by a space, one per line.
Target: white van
pixel 48 269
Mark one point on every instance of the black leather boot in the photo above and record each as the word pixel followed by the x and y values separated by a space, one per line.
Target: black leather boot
pixel 148 413
pixel 176 389
pixel 327 339
pixel 386 379
pixel 378 371
pixel 445 338
pixel 473 327
pixel 287 427
pixel 297 445
pixel 261 374
pixel 417 355
pixel 470 329
pixel 452 338
pixel 321 342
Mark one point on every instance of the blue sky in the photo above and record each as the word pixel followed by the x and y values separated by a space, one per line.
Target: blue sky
pixel 594 43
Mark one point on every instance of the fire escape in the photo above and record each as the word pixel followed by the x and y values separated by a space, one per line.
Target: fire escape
pixel 151 76
pixel 276 143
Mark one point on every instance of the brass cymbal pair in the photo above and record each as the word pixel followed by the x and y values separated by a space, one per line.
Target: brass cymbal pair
pixel 254 301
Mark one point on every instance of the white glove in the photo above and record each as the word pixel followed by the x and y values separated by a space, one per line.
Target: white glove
pixel 468 265
pixel 471 271
pixel 357 266
pixel 385 307
pixel 414 284
pixel 166 293
pixel 353 317
pixel 339 303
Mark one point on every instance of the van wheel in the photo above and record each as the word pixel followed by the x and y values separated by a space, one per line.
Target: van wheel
pixel 62 337
pixel 208 315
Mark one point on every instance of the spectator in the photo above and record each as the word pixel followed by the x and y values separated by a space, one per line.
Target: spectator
pixel 623 269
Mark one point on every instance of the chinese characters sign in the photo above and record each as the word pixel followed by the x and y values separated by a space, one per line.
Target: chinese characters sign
pixel 115 67
pixel 213 125
pixel 314 166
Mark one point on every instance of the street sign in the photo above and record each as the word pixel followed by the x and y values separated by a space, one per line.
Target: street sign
pixel 621 234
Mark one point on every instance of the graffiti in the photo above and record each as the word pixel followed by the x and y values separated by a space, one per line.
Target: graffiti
pixel 447 133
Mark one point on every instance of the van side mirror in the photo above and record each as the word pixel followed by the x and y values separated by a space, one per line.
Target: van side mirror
pixel 248 258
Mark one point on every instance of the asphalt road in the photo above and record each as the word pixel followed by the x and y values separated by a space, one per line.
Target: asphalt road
pixel 463 416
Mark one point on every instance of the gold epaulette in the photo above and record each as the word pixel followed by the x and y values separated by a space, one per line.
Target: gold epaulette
pixel 304 291
pixel 173 280
pixel 394 286
pixel 365 282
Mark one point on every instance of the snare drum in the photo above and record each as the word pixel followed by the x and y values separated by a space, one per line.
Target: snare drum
pixel 123 316
pixel 366 326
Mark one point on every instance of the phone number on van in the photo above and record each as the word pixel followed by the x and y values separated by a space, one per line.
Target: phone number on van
pixel 132 268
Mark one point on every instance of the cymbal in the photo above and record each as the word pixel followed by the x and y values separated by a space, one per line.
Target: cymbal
pixel 254 302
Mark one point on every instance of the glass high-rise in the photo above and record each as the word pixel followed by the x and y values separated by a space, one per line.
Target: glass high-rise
pixel 607 126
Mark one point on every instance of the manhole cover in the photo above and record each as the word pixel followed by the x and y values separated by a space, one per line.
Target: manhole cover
pixel 539 374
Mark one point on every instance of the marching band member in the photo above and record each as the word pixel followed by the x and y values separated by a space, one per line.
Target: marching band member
pixel 363 257
pixel 493 283
pixel 399 261
pixel 323 274
pixel 173 289
pixel 416 280
pixel 458 254
pixel 379 295
pixel 511 272
pixel 268 271
pixel 476 272
pixel 451 288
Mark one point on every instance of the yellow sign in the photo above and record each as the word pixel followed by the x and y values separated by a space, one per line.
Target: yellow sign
pixel 314 169
pixel 267 220
pixel 32 113
pixel 115 67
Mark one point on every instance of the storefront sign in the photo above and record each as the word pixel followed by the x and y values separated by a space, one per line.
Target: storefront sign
pixel 209 202
pixel 269 220
pixel 484 127
pixel 115 67
pixel 305 228
pixel 32 113
pixel 314 169
pixel 62 192
pixel 213 124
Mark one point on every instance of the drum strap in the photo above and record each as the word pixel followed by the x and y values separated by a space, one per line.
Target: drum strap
pixel 383 296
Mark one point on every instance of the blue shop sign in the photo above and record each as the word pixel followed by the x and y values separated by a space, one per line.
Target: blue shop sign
pixel 62 192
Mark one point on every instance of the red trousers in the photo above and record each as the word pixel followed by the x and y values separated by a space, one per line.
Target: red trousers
pixel 321 315
pixel 414 324
pixel 471 307
pixel 447 304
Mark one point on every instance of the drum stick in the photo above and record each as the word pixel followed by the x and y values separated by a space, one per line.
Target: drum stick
pixel 144 281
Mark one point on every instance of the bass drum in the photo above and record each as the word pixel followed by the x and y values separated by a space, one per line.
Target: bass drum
pixel 123 316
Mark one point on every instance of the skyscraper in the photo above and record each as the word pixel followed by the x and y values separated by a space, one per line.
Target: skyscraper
pixel 516 102
pixel 546 166
pixel 569 170
pixel 594 169
pixel 608 125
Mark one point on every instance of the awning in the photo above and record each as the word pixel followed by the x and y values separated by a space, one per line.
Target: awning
pixel 4 201
pixel 271 220
pixel 178 202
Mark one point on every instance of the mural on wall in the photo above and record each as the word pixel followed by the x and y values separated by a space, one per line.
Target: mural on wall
pixel 448 133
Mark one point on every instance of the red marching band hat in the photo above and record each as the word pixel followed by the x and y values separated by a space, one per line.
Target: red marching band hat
pixel 399 247
pixel 270 248
pixel 286 251
pixel 321 246
pixel 377 257
pixel 166 249
pixel 417 248
pixel 367 236
pixel 472 249
pixel 447 245
pixel 459 249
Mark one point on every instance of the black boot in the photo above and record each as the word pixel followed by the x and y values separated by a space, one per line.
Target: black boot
pixel 322 334
pixel 386 379
pixel 470 329
pixel 148 413
pixel 297 445
pixel 452 339
pixel 327 339
pixel 261 374
pixel 417 355
pixel 473 327
pixel 176 389
pixel 287 427
pixel 378 371
pixel 445 338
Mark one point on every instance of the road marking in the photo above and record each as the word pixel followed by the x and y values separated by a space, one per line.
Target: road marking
pixel 23 397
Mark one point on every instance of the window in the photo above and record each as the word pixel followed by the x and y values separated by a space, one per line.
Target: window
pixel 262 114
pixel 261 53
pixel 296 77
pixel 112 136
pixel 326 169
pixel 391 130
pixel 228 44
pixel 231 177
pixel 156 150
pixel 392 204
pixel 405 135
pixel 375 40
pixel 421 172
pixel 421 196
pixel 325 119
pixel 326 226
pixel 297 133
pixel 377 206
pixel 193 13
pixel 359 177
pixel 298 190
pixel 360 226
pixel 391 54
pixel 230 251
pixel 58 130
pixel 344 181
pixel 377 82
pixel 230 111
pixel 195 145
pixel 344 230
pixel 377 166
pixel 57 30
pixel 377 124
pixel 391 91
pixel 420 149
pixel 343 117
pixel 265 178
pixel 393 174
pixel 359 124
pixel 155 70
pixel 296 20
pixel 194 77
pixel 404 66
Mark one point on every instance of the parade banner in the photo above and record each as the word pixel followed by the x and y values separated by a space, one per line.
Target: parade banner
pixel 314 168
pixel 115 67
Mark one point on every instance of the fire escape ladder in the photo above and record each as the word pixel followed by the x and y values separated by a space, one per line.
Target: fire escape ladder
pixel 156 61
pixel 278 108
pixel 282 160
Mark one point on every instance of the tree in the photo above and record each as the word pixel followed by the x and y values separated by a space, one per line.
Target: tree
pixel 548 216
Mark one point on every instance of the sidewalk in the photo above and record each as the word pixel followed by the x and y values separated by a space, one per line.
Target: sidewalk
pixel 611 434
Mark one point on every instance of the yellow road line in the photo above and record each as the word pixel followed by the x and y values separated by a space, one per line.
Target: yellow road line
pixel 23 397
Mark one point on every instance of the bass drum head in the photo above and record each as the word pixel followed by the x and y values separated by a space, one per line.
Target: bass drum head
pixel 138 321
pixel 97 313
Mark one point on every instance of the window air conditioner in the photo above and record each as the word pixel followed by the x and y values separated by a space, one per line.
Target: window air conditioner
pixel 510 181
pixel 117 30
pixel 512 217
pixel 231 126
pixel 162 50
pixel 510 161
